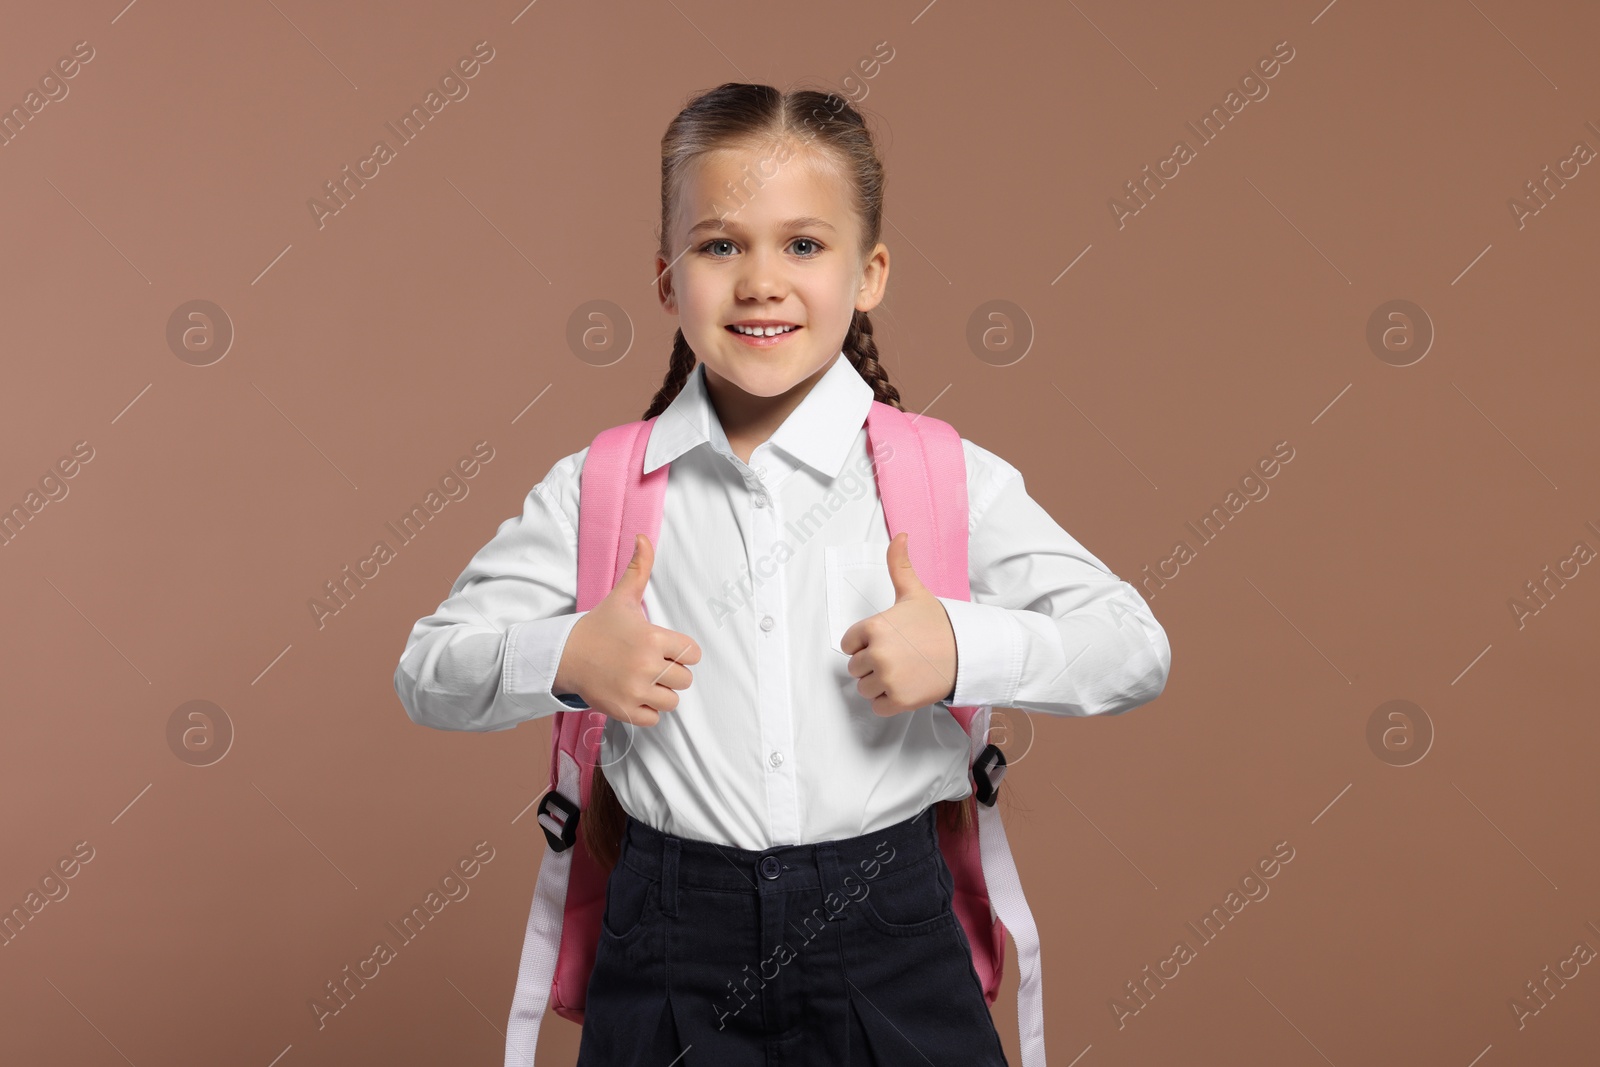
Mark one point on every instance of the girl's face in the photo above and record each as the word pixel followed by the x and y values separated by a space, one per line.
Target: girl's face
pixel 752 250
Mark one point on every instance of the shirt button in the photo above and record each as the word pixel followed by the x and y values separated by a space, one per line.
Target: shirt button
pixel 770 867
pixel 776 759
pixel 761 500
pixel 767 622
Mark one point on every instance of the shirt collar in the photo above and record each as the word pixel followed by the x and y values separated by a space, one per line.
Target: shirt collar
pixel 818 432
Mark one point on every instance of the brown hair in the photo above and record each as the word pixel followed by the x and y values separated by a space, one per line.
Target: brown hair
pixel 735 114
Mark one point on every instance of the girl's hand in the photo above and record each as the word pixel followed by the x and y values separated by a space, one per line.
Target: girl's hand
pixel 905 657
pixel 623 665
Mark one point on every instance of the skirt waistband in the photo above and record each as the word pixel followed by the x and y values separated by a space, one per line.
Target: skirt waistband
pixel 686 862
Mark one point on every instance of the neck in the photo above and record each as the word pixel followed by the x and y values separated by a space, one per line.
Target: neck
pixel 748 420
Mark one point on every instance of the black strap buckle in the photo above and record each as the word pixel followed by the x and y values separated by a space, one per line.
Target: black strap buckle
pixel 987 772
pixel 560 827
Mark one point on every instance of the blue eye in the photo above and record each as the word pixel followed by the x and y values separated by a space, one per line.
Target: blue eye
pixel 814 246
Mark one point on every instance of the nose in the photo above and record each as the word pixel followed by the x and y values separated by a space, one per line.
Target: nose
pixel 760 277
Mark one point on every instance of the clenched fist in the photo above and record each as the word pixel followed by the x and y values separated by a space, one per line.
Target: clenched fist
pixel 905 657
pixel 621 663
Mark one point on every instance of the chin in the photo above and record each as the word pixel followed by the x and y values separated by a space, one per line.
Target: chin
pixel 764 374
pixel 765 381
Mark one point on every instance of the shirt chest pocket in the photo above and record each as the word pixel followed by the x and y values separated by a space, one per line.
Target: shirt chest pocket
pixel 858 584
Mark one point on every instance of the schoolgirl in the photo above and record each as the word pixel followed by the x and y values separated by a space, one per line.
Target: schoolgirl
pixel 777 891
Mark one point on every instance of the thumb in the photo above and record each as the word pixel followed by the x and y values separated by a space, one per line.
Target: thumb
pixel 637 574
pixel 901 573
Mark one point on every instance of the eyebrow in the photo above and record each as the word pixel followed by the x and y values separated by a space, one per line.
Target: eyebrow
pixel 803 223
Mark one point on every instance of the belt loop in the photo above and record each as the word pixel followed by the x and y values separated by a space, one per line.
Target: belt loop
pixel 828 868
pixel 669 876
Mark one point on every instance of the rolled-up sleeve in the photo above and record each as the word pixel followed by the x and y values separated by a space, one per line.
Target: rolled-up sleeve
pixel 486 658
pixel 1049 627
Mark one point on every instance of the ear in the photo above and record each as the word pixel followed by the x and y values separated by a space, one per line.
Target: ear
pixel 664 292
pixel 874 279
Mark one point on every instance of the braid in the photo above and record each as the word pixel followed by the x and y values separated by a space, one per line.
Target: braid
pixel 862 352
pixel 683 362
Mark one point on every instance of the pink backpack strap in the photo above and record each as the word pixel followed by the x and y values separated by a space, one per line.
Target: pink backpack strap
pixel 922 481
pixel 616 501
pixel 921 475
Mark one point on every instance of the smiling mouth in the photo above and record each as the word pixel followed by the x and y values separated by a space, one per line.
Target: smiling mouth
pixel 761 331
pixel 763 336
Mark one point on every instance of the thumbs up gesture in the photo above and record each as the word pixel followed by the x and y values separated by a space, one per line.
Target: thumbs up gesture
pixel 905 657
pixel 621 663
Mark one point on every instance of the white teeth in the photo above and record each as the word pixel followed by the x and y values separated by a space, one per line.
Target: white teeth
pixel 764 331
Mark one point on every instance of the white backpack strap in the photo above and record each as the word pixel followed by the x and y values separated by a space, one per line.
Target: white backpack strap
pixel 1005 896
pixel 1006 899
pixel 542 942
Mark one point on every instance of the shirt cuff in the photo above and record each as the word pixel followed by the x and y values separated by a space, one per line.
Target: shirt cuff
pixel 989 648
pixel 533 652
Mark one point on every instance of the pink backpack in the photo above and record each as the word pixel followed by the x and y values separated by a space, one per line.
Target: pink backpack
pixel 921 476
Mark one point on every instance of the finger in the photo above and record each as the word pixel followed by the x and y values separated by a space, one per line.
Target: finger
pixel 662 699
pixel 675 677
pixel 637 574
pixel 861 664
pixel 638 715
pixel 680 648
pixel 854 639
pixel 677 651
pixel 901 573
pixel 668 672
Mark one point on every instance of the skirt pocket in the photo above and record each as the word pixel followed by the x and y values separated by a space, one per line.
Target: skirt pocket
pixel 631 900
pixel 913 901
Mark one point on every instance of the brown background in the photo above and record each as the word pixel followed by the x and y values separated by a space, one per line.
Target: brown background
pixel 1230 314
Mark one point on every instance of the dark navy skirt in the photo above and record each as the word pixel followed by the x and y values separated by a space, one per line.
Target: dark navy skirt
pixel 842 952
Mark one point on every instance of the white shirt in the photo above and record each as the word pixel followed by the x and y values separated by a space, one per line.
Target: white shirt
pixel 766 565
